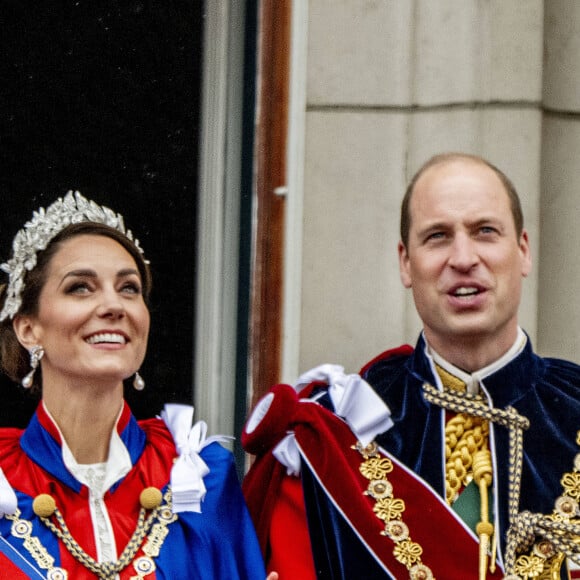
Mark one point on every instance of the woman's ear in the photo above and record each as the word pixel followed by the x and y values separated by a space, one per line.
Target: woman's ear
pixel 26 331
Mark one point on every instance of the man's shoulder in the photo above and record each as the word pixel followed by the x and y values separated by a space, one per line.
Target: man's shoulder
pixel 392 358
pixel 562 364
pixel 561 370
pixel 388 369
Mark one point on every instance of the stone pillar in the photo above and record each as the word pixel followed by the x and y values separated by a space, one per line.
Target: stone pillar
pixel 559 310
pixel 390 84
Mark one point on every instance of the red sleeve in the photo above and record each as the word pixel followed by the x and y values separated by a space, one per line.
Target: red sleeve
pixel 290 550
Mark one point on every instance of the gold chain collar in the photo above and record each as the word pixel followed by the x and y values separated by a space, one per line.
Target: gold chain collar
pixel 389 509
pixel 154 527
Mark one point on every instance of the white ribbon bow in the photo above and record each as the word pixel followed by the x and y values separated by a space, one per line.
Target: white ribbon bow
pixel 354 400
pixel 8 501
pixel 189 469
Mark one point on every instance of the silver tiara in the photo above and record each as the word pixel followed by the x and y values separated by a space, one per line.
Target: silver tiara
pixel 37 233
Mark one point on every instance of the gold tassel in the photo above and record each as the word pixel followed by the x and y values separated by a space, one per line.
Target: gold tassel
pixel 482 475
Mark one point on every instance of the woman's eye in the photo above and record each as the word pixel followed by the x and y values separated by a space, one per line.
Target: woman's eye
pixel 131 288
pixel 78 288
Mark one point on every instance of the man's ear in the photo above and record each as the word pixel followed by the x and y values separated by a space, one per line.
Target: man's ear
pixel 404 267
pixel 26 331
pixel 525 253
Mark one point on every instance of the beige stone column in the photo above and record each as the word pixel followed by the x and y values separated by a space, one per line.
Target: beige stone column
pixel 559 310
pixel 389 84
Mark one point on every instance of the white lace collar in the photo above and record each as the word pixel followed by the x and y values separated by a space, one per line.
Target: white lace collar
pixel 118 462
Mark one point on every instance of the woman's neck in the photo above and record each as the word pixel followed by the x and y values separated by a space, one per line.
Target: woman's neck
pixel 86 419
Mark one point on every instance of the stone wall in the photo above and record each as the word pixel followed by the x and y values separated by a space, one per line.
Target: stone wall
pixel 389 83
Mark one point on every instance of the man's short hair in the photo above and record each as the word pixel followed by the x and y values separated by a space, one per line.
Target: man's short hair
pixel 516 207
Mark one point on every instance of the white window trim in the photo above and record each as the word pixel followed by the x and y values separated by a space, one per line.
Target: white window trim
pixel 218 215
pixel 292 298
pixel 219 209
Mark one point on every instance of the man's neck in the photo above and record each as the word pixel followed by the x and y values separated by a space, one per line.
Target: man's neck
pixel 481 367
pixel 476 354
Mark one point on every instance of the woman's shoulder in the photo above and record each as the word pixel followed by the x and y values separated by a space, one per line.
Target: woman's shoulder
pixel 159 436
pixel 9 441
pixel 10 434
pixel 155 427
pixel 202 470
pixel 12 456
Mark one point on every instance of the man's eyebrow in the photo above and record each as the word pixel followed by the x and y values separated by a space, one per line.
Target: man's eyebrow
pixel 439 225
pixel 487 221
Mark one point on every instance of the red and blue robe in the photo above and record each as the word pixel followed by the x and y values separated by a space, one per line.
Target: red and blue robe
pixel 219 542
pixel 343 538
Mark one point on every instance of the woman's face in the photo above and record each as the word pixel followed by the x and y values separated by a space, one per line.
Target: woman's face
pixel 92 320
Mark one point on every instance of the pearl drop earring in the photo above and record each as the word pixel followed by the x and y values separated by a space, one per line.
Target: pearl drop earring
pixel 36 353
pixel 138 382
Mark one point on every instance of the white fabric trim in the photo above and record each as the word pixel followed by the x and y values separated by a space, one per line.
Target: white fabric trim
pixel 259 412
pixel 8 500
pixel 288 454
pixel 354 400
pixel 189 468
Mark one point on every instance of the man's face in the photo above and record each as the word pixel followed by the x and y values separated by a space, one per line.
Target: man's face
pixel 464 261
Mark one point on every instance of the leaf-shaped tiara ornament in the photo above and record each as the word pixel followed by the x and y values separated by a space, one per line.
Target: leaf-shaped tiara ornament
pixel 37 233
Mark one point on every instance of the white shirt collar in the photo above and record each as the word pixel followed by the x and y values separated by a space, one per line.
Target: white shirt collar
pixel 473 380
